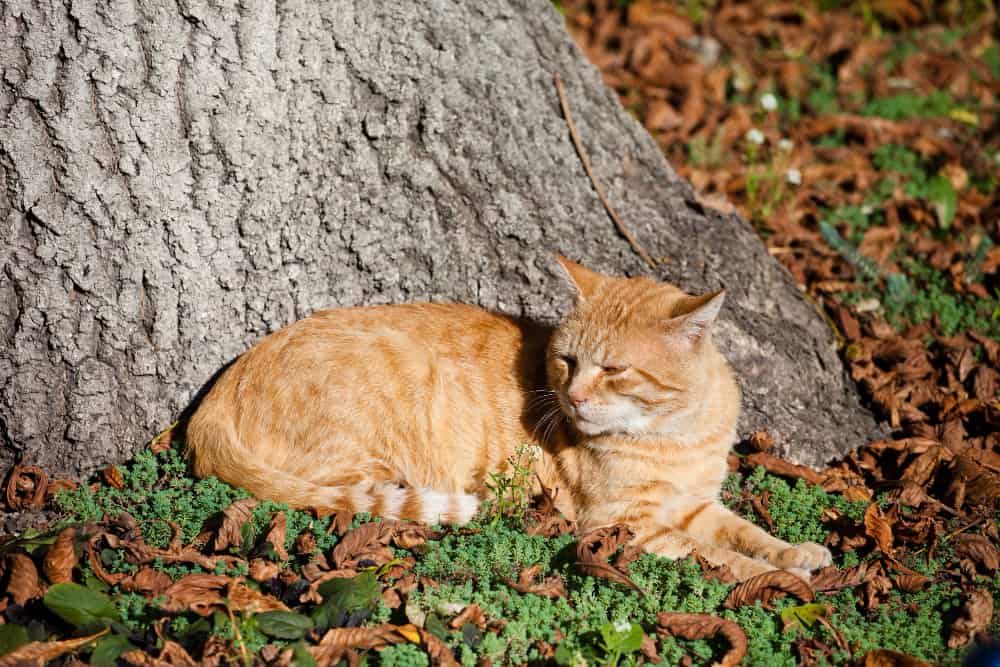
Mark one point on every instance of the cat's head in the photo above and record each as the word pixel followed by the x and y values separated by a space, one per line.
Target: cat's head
pixel 635 356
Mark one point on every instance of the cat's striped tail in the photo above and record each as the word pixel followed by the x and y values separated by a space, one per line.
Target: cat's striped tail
pixel 217 451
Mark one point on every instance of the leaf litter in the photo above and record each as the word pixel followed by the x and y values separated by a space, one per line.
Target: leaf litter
pixel 872 185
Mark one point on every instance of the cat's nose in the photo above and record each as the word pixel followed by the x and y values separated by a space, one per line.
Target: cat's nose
pixel 576 401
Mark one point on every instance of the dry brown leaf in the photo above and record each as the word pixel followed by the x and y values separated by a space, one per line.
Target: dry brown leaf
pixel 911 582
pixel 831 578
pixel 761 441
pixel 767 586
pixel 305 543
pixel 200 593
pixel 552 587
pixel 40 653
pixel 112 477
pixel 977 610
pixel 473 614
pixel 886 658
pixel 242 598
pixel 276 533
pixel 61 557
pixel 26 487
pixel 410 535
pixel 703 626
pixel 171 655
pixel 979 549
pixel 366 542
pixel 233 518
pixel 338 641
pixel 782 468
pixel 596 547
pixel 262 570
pixel 878 526
pixel 146 581
pixel 648 650
pixel 22 583
pixel 57 485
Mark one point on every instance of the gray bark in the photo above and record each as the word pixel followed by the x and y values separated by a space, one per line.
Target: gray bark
pixel 179 179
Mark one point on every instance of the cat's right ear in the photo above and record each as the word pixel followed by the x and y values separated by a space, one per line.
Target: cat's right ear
pixel 583 279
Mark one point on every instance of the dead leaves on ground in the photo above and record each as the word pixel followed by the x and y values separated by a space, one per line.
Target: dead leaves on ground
pixel 703 626
pixel 768 586
pixel 596 547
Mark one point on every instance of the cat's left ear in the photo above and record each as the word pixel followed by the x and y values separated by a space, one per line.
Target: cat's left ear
pixel 583 279
pixel 696 314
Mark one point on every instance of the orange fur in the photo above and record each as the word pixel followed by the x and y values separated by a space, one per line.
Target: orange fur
pixel 403 411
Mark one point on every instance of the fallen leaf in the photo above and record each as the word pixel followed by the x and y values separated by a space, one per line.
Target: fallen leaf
pixel 761 441
pixel 767 586
pixel 233 518
pixel 367 542
pixel 977 548
pixel 886 658
pixel 200 593
pixel 975 615
pixel 832 578
pixel 262 570
pixel 244 599
pixel 276 532
pixel 473 614
pixel 40 653
pixel 703 626
pixel 61 557
pixel 146 581
pixel 911 582
pixel 112 477
pixel 552 587
pixel 22 583
pixel 171 655
pixel 782 468
pixel 26 486
pixel 56 486
pixel 878 526
pixel 596 547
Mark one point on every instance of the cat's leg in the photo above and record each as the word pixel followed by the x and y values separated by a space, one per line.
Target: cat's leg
pixel 671 543
pixel 713 523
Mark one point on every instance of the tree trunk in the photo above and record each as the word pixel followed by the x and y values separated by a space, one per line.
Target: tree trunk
pixel 180 179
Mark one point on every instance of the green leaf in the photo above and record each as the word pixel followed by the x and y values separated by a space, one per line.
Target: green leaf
pixel 436 627
pixel 632 641
pixel 347 595
pixel 301 656
pixel 12 636
pixel 622 641
pixel 941 193
pixel 108 650
pixel 284 624
pixel 79 606
pixel 803 614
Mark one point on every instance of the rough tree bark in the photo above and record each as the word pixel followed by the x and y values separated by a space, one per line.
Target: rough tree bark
pixel 178 179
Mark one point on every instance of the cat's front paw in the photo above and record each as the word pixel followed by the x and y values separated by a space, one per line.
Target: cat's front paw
pixel 807 556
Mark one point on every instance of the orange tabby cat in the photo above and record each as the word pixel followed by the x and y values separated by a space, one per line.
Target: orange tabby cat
pixel 402 411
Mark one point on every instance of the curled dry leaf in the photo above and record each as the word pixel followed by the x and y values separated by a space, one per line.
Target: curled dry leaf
pixel 262 570
pixel 146 581
pixel 648 650
pixel 703 626
pixel 975 617
pixel 979 549
pixel 244 599
pixel 338 641
pixel 410 535
pixel 233 518
pixel 596 547
pixel 171 655
pixel 878 526
pixel 113 477
pixel 61 557
pixel 305 543
pixel 277 530
pixel 886 658
pixel 22 582
pixel 473 614
pixel 552 587
pixel 200 593
pixel 767 586
pixel 367 542
pixel 550 526
pixel 832 578
pixel 782 468
pixel 26 487
pixel 761 441
pixel 57 485
pixel 40 653
pixel 911 582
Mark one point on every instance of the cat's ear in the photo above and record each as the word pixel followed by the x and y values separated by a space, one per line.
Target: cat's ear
pixel 693 317
pixel 583 279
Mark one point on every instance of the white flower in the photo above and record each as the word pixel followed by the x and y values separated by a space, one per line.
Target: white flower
pixel 769 101
pixel 786 145
pixel 622 625
pixel 755 136
pixel 867 209
pixel 794 176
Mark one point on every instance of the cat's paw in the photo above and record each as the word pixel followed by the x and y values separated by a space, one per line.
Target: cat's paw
pixel 807 556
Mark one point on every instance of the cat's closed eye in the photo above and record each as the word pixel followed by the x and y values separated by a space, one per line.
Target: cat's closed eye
pixel 569 361
pixel 615 370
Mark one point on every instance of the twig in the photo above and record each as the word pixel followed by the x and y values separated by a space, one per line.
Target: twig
pixel 593 179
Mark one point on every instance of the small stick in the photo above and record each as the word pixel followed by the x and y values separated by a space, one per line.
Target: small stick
pixel 593 179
